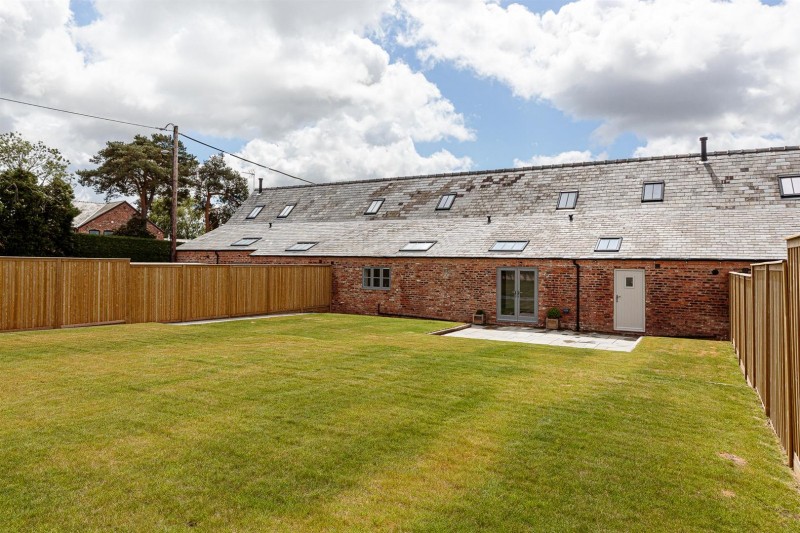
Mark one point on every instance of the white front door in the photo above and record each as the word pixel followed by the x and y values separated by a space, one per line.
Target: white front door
pixel 629 300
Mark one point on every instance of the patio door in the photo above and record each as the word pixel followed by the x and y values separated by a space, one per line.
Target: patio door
pixel 517 294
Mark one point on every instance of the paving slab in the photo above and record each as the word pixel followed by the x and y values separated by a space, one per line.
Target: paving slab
pixel 594 341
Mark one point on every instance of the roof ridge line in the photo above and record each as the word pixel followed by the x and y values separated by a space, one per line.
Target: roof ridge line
pixel 547 167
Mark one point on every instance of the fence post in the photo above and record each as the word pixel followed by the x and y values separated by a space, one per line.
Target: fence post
pixel 767 344
pixel 58 297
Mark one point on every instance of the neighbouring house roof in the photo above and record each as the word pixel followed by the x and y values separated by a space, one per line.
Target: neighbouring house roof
pixel 729 207
pixel 91 210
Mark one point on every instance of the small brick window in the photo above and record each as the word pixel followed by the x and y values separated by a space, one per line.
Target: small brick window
pixel 94 232
pixel 376 278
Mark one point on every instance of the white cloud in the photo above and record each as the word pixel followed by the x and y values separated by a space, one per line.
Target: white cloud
pixel 572 156
pixel 299 76
pixel 662 69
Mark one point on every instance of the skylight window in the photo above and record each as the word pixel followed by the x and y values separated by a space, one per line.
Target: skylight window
pixel 567 200
pixel 608 244
pixel 418 246
pixel 301 247
pixel 790 186
pixel 246 241
pixel 446 202
pixel 374 207
pixel 286 210
pixel 256 210
pixel 508 246
pixel 653 191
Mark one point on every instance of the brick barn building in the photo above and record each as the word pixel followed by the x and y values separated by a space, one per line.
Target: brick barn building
pixel 635 245
pixel 104 219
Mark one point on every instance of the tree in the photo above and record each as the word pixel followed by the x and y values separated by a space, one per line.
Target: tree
pixel 219 191
pixel 142 168
pixel 190 223
pixel 136 226
pixel 46 164
pixel 35 220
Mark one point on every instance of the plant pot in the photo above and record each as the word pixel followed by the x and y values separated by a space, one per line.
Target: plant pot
pixel 479 319
pixel 553 323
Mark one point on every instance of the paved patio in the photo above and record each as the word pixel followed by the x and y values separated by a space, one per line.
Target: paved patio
pixel 595 341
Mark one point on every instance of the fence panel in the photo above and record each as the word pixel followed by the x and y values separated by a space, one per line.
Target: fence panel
pixel 42 293
pixel 94 291
pixel 792 344
pixel 155 293
pixel 765 308
pixel 27 293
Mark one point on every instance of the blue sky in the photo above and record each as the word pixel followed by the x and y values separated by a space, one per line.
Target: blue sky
pixel 337 90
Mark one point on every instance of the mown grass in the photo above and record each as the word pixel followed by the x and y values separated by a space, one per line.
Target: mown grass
pixel 329 422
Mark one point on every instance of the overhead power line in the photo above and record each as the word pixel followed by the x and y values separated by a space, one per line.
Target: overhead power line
pixel 153 128
pixel 83 114
pixel 246 160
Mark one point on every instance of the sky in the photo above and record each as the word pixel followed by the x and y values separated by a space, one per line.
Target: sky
pixel 361 89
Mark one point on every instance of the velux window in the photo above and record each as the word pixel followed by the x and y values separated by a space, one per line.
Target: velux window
pixel 285 211
pixel 418 246
pixel 376 278
pixel 567 200
pixel 246 241
pixel 301 247
pixel 374 207
pixel 256 210
pixel 508 246
pixel 608 244
pixel 653 191
pixel 790 186
pixel 446 202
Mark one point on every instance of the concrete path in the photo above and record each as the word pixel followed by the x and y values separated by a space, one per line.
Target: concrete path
pixel 595 341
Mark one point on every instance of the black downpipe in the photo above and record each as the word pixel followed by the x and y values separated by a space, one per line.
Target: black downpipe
pixel 577 295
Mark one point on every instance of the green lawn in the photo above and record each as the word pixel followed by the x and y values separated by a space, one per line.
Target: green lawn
pixel 330 422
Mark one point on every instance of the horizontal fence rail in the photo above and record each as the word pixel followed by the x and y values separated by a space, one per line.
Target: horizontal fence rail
pixel 765 311
pixel 46 293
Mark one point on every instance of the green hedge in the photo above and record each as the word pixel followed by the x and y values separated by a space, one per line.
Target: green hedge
pixel 137 249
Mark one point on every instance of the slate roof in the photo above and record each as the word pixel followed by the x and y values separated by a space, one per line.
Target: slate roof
pixel 91 210
pixel 729 207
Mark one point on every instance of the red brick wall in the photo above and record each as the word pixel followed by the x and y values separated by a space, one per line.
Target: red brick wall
pixel 683 298
pixel 116 218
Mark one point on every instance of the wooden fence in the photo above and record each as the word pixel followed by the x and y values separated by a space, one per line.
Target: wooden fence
pixel 765 311
pixel 45 293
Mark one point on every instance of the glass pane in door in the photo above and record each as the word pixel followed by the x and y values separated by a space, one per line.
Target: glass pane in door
pixel 527 294
pixel 507 290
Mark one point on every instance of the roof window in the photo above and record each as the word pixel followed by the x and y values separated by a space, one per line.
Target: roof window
pixel 246 241
pixel 417 246
pixel 608 244
pixel 790 186
pixel 653 191
pixel 446 202
pixel 508 246
pixel 256 210
pixel 301 247
pixel 374 207
pixel 567 200
pixel 285 211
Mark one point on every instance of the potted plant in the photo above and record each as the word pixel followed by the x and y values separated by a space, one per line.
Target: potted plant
pixel 553 318
pixel 479 317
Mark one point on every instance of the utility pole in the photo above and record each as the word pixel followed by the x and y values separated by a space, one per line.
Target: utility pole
pixel 174 215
